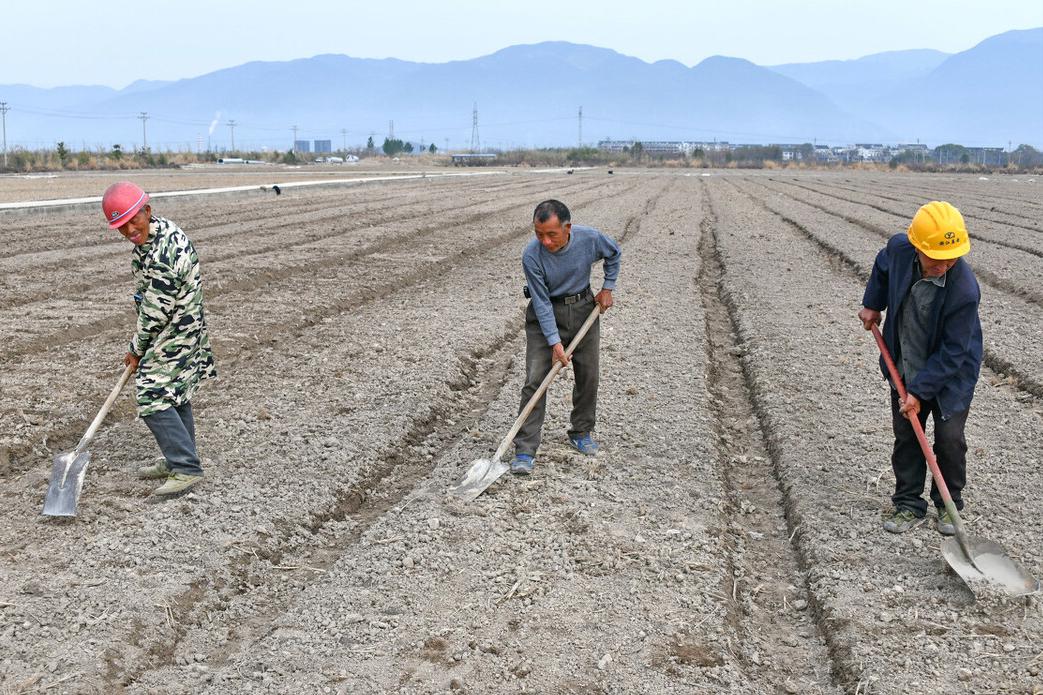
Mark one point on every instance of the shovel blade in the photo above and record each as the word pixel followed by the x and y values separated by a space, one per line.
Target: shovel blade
pixel 481 474
pixel 991 568
pixel 67 475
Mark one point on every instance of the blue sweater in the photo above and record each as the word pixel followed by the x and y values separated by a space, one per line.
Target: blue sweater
pixel 566 271
pixel 954 344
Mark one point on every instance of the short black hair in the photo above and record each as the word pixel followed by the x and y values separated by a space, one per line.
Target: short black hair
pixel 548 208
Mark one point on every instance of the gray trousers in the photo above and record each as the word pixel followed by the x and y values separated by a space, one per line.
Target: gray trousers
pixel 175 432
pixel 538 362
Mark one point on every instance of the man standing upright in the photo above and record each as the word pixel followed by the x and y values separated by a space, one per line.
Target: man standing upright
pixel 934 335
pixel 170 351
pixel 557 267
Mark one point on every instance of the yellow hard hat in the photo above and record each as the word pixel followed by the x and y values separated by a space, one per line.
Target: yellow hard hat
pixel 938 230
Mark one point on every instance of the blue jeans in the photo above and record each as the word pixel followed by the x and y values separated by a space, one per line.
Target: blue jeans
pixel 175 432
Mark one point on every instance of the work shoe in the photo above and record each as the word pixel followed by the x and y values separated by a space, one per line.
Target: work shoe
pixel 156 470
pixel 901 520
pixel 584 443
pixel 946 527
pixel 522 464
pixel 177 483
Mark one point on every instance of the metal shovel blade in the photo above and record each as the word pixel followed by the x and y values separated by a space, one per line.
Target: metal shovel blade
pixel 481 474
pixel 991 568
pixel 67 475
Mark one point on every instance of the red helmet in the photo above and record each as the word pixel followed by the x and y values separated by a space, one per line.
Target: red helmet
pixel 122 201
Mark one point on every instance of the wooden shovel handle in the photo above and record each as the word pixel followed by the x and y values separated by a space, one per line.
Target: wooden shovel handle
pixel 89 434
pixel 527 410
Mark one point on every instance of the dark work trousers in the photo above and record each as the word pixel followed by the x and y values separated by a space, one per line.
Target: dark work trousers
pixel 538 362
pixel 175 432
pixel 910 466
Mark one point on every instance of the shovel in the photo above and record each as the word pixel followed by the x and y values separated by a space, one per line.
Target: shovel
pixel 978 561
pixel 69 468
pixel 485 472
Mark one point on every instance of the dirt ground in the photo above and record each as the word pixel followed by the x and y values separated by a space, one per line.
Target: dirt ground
pixel 370 345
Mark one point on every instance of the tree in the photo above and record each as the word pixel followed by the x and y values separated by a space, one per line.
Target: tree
pixel 392 147
pixel 116 153
pixel 432 149
pixel 408 148
pixel 369 143
pixel 63 153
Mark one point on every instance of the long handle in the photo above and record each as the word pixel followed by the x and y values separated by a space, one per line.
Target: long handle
pixel 546 382
pixel 89 434
pixel 932 462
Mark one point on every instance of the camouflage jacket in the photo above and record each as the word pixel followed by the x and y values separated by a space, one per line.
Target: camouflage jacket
pixel 171 339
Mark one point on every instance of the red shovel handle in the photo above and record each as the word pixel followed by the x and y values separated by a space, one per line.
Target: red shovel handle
pixel 932 462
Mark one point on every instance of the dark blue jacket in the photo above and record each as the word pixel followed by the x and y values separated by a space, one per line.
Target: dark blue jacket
pixel 954 335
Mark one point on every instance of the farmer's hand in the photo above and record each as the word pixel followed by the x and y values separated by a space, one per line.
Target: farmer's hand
pixel 131 360
pixel 559 354
pixel 910 407
pixel 604 300
pixel 869 318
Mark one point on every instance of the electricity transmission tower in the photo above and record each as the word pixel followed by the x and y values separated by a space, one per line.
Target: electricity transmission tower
pixel 294 148
pixel 144 137
pixel 476 144
pixel 231 125
pixel 4 108
pixel 344 135
pixel 579 143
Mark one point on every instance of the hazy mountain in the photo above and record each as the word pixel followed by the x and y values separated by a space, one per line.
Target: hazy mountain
pixel 988 95
pixel 530 95
pixel 855 85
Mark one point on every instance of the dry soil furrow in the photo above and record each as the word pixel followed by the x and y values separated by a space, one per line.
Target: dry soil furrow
pixel 887 600
pixel 340 297
pixel 1001 233
pixel 35 285
pixel 397 473
pixel 322 259
pixel 769 607
pixel 976 197
pixel 1004 353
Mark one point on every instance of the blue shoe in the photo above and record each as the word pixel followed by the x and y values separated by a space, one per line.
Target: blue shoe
pixel 522 464
pixel 584 444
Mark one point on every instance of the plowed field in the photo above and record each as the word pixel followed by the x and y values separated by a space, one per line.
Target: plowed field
pixel 370 345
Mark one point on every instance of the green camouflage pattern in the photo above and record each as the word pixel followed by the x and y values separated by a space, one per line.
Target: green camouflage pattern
pixel 171 338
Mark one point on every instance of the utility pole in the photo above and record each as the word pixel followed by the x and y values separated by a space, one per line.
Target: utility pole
pixel 4 108
pixel 344 135
pixel 231 124
pixel 294 148
pixel 144 137
pixel 579 143
pixel 476 143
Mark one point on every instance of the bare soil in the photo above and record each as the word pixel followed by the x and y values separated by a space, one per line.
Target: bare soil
pixel 370 345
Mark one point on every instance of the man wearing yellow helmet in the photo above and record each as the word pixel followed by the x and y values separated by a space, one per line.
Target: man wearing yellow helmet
pixel 933 332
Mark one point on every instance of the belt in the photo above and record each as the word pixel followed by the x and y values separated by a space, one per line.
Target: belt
pixel 573 298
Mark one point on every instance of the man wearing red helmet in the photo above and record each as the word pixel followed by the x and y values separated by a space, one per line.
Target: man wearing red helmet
pixel 934 335
pixel 170 351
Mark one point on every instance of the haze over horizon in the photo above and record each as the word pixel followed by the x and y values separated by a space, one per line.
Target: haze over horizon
pixel 160 41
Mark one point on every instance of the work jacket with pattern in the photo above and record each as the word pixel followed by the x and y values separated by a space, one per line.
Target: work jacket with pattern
pixel 171 339
pixel 954 342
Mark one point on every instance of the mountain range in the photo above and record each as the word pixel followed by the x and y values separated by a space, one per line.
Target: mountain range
pixel 531 95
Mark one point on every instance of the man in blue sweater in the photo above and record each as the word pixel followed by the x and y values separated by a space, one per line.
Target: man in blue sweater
pixel 557 269
pixel 934 335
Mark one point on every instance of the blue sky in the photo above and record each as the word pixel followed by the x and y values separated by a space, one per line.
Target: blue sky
pixel 61 42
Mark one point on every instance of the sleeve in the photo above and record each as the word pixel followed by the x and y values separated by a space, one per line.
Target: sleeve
pixel 875 296
pixel 541 299
pixel 161 285
pixel 957 331
pixel 609 250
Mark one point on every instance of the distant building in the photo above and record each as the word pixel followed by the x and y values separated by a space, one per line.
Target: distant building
pixel 302 146
pixel 323 146
pixel 473 160
pixel 662 147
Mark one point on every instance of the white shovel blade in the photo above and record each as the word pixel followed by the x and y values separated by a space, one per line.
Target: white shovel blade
pixel 481 474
